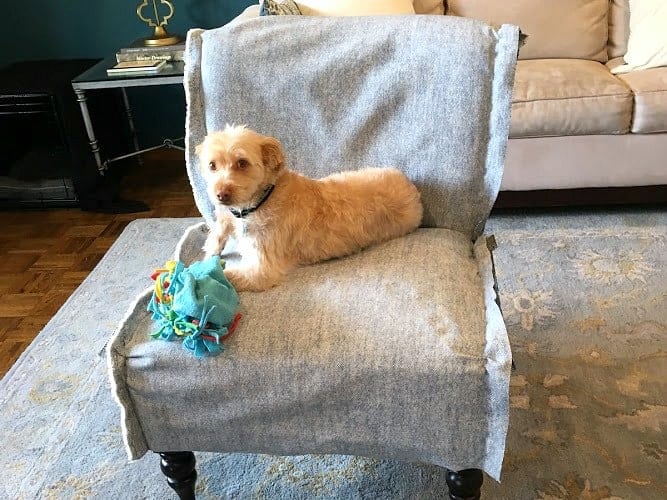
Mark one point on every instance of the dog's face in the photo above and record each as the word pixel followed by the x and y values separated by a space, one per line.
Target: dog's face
pixel 238 164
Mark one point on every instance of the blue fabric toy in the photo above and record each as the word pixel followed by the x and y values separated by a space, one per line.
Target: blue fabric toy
pixel 196 304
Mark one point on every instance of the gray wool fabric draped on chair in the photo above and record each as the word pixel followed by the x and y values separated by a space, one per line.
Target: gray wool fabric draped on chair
pixel 398 351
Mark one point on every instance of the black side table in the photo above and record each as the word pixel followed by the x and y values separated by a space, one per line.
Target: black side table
pixel 96 78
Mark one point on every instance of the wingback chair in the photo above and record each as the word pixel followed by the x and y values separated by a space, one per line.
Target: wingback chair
pixel 397 352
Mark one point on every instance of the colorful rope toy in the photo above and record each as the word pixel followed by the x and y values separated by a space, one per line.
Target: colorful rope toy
pixel 195 304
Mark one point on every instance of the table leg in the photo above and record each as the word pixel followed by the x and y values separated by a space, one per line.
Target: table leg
pixel 130 122
pixel 94 146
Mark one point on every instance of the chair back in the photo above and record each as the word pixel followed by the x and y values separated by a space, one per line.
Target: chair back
pixel 430 95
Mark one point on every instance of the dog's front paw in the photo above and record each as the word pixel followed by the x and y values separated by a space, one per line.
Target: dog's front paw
pixel 246 280
pixel 213 245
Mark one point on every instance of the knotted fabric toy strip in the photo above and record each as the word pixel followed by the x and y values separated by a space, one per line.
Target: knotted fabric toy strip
pixel 195 304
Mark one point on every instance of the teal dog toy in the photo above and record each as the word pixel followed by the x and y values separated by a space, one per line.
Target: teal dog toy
pixel 195 304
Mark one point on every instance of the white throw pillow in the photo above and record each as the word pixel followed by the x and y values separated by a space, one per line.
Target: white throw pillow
pixel 354 7
pixel 647 43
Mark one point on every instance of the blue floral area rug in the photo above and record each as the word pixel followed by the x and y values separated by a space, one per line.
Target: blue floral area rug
pixel 585 300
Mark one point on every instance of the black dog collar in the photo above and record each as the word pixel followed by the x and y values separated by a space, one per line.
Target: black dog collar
pixel 249 210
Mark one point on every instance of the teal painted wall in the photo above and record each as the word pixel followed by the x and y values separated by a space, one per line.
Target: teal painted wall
pixel 69 29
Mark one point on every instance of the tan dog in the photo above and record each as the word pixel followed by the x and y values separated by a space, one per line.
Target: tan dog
pixel 299 220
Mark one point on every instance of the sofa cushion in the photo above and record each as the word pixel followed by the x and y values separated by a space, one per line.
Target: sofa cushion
pixel 619 28
pixel 650 90
pixel 354 7
pixel 647 43
pixel 579 33
pixel 433 7
pixel 568 97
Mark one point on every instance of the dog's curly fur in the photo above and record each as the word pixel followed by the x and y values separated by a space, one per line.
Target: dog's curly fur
pixel 304 220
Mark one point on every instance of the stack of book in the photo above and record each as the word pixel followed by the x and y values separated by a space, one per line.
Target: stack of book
pixel 137 51
pixel 136 67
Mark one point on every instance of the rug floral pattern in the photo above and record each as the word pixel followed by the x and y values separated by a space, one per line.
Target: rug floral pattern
pixel 587 319
pixel 586 312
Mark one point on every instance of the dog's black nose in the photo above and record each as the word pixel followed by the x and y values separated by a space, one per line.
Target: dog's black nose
pixel 224 196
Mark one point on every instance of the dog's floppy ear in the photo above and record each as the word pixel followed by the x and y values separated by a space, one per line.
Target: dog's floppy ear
pixel 272 154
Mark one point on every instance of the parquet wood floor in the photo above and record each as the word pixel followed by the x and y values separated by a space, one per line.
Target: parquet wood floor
pixel 46 254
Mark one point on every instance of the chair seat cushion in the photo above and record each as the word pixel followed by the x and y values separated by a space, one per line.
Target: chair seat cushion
pixel 398 351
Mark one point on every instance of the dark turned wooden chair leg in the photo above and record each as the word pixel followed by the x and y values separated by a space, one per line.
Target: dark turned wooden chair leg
pixel 179 467
pixel 465 484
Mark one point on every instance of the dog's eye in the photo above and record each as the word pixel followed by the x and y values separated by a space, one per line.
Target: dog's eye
pixel 212 166
pixel 242 163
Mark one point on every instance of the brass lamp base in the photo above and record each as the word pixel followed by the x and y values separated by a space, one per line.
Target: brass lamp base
pixel 161 37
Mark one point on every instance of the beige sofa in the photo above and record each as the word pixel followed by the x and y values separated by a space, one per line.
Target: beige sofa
pixel 574 123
